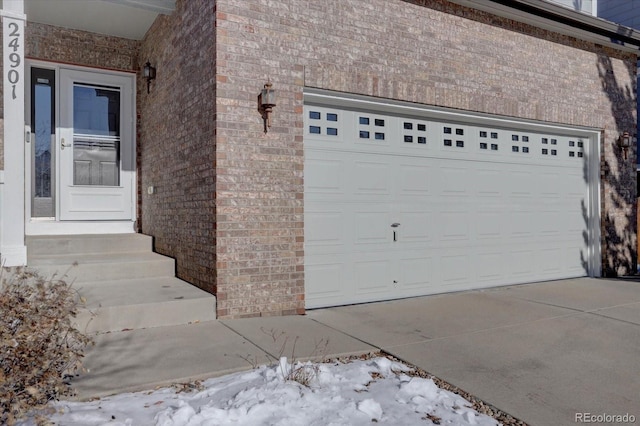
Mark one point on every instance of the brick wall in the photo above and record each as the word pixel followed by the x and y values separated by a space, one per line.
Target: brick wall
pixel 260 187
pixel 176 140
pixel 431 52
pixel 49 43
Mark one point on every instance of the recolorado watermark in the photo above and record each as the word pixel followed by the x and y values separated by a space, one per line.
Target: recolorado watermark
pixel 605 418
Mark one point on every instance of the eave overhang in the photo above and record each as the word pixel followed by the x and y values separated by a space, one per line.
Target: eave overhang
pixel 560 19
pixel 121 18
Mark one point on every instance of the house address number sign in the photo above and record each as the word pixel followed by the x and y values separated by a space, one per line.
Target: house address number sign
pixel 13 75
pixel 13 36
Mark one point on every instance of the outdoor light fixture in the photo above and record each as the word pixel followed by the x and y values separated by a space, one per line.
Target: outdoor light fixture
pixel 266 102
pixel 149 73
pixel 624 141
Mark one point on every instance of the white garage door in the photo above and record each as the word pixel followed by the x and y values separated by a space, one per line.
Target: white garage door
pixel 402 201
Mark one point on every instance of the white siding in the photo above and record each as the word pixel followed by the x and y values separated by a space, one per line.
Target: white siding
pixel 584 6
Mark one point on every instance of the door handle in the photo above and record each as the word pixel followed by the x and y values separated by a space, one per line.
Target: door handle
pixel 63 145
pixel 395 235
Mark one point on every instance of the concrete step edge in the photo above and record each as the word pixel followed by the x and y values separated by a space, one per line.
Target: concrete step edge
pixel 109 271
pixel 146 315
pixel 93 258
pixel 79 244
pixel 136 291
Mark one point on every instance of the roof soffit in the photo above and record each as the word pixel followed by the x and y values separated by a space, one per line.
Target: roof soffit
pixel 121 18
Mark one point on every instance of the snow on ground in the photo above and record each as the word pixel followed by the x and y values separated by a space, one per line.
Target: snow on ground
pixel 356 393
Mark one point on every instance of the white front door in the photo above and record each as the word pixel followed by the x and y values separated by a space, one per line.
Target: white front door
pixel 95 146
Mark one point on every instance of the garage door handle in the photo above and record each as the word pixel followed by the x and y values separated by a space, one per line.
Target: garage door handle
pixel 395 235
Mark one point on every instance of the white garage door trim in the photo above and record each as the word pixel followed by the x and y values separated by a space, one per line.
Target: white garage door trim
pixel 370 164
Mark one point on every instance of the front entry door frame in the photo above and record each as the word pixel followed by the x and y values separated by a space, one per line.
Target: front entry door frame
pixel 112 200
pixel 104 219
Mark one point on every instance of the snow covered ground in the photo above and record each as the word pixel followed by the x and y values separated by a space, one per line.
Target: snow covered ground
pixel 354 393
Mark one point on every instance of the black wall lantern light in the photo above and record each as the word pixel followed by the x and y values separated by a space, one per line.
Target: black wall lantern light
pixel 149 73
pixel 266 102
pixel 624 142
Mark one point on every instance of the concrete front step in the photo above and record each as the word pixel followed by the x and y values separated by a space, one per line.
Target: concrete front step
pixel 48 245
pixel 104 267
pixel 142 303
pixel 124 284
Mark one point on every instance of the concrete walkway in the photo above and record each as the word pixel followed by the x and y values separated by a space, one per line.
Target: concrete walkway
pixel 541 352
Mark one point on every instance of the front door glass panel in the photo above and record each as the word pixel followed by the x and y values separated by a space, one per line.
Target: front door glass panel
pixel 96 135
pixel 42 151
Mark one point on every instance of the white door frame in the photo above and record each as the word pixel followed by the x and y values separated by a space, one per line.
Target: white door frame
pixel 94 202
pixel 49 226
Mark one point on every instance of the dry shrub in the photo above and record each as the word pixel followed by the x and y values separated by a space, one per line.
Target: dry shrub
pixel 40 348
pixel 302 372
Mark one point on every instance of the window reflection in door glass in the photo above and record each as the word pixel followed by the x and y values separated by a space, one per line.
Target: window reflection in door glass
pixel 96 135
pixel 42 133
pixel 96 111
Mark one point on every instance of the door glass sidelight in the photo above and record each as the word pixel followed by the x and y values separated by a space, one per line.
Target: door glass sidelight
pixel 42 148
pixel 96 135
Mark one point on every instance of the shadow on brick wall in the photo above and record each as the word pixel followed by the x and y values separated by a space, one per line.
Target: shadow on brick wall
pixel 619 213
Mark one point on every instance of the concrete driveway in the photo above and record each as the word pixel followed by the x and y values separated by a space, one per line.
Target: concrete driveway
pixel 543 352
pixel 548 353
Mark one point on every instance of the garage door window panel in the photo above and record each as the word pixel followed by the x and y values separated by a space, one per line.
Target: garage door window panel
pixel 323 122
